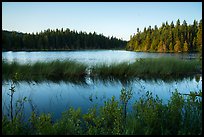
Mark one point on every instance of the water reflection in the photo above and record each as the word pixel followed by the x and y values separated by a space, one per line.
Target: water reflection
pixel 57 97
pixel 90 57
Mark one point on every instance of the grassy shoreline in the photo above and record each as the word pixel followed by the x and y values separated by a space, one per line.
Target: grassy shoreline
pixel 164 68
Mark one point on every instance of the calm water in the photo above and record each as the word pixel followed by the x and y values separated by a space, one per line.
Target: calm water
pixel 58 97
pixel 87 56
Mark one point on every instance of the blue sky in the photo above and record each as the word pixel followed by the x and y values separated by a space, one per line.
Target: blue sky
pixel 118 19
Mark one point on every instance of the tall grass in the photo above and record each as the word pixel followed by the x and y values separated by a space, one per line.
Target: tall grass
pixel 55 70
pixel 164 68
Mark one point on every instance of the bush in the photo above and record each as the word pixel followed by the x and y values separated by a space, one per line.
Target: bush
pixel 181 115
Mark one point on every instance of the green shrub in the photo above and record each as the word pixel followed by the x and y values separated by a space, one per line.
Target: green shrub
pixel 181 115
pixel 41 125
pixel 147 116
pixel 69 123
pixel 109 120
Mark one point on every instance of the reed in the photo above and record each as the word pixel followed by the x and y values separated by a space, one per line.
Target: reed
pixel 55 70
pixel 162 68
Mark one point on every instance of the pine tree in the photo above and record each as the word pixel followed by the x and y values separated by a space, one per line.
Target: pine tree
pixel 185 47
pixel 160 46
pixel 173 38
pixel 147 43
pixel 177 46
pixel 199 37
pixel 154 45
pixel 194 46
pixel 171 47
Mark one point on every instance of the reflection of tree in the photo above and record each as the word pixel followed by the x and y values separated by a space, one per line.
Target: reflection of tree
pixel 197 78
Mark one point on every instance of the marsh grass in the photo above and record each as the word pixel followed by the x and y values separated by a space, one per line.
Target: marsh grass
pixel 55 71
pixel 164 68
pixel 113 72
pixel 161 68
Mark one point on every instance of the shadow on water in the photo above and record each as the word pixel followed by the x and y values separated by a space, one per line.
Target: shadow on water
pixel 55 96
pixel 129 80
pixel 85 81
pixel 75 81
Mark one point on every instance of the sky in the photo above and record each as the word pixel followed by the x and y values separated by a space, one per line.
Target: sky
pixel 117 19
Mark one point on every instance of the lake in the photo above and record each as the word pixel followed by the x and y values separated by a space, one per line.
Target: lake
pixel 88 56
pixel 55 98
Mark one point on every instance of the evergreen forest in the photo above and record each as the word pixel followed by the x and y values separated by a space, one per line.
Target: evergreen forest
pixel 58 40
pixel 168 38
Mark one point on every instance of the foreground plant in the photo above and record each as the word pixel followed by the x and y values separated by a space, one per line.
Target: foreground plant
pixel 149 116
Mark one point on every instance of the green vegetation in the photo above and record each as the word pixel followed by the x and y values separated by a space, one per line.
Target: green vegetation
pixel 58 40
pixel 168 38
pixel 163 68
pixel 181 115
pixel 55 71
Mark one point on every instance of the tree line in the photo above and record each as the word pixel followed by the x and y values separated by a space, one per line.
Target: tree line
pixel 168 38
pixel 59 40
